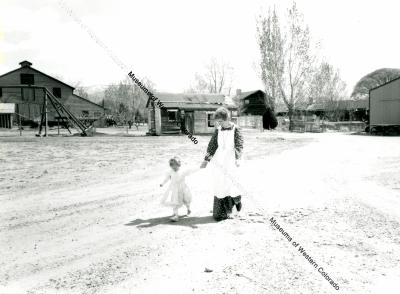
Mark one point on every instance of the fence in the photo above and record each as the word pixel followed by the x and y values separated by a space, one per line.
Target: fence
pixel 250 122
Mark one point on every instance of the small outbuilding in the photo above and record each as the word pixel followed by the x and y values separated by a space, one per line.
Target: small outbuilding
pixel 7 111
pixel 193 112
pixel 384 107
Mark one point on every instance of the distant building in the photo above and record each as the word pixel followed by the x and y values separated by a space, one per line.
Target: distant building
pixel 28 101
pixel 343 110
pixel 193 112
pixel 250 102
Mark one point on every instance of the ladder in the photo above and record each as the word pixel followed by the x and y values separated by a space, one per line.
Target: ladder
pixel 62 112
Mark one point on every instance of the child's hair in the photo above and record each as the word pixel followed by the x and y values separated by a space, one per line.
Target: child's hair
pixel 221 113
pixel 175 160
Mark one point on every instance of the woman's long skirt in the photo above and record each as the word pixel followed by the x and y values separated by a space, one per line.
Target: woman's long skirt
pixel 222 208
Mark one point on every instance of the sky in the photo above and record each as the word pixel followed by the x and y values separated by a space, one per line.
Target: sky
pixel 169 41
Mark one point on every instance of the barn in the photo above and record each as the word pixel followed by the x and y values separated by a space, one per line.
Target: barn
pixel 384 106
pixel 28 100
pixel 193 112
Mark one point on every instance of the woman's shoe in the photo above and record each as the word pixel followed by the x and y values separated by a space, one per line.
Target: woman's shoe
pixel 175 218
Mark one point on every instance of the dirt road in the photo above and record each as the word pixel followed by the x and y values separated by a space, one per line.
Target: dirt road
pixel 81 215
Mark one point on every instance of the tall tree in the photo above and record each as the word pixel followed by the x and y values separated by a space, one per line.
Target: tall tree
pixel 270 45
pixel 288 56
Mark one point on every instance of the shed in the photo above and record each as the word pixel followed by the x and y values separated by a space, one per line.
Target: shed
pixel 384 105
pixel 180 111
pixel 7 111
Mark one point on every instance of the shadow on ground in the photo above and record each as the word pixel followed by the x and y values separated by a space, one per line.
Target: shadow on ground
pixel 184 221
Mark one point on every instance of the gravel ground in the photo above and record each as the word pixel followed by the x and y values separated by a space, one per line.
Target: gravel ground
pixel 81 215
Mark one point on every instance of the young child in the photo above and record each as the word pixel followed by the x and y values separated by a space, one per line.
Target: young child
pixel 178 193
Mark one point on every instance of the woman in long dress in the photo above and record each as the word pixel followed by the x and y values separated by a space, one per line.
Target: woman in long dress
pixel 225 150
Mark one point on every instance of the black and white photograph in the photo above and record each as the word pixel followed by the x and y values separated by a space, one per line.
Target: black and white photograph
pixel 214 146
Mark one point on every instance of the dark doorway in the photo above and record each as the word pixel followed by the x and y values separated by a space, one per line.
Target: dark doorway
pixel 189 121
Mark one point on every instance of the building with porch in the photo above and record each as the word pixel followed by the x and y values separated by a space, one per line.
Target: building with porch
pixel 193 112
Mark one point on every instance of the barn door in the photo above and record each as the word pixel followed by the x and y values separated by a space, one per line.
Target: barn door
pixel 189 121
pixel 28 94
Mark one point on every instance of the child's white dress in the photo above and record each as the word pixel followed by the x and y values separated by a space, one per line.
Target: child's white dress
pixel 178 193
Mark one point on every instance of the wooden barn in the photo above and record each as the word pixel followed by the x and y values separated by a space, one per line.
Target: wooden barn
pixel 384 105
pixel 193 112
pixel 28 101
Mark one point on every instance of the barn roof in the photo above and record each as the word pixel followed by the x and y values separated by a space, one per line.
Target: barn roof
pixel 88 101
pixel 28 64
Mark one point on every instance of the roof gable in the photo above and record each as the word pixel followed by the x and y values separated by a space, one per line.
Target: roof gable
pixel 244 95
pixel 37 71
pixel 88 101
pixel 391 81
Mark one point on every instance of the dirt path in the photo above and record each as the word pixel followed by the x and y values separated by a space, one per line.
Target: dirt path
pixel 84 217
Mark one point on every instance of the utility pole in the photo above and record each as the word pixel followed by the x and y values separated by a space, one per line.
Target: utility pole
pixel 45 114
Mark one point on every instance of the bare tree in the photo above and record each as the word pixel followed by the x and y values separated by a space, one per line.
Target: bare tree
pixel 326 84
pixel 127 101
pixel 327 88
pixel 217 77
pixel 81 91
pixel 286 58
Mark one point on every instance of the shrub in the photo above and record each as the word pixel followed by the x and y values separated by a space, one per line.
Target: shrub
pixel 269 120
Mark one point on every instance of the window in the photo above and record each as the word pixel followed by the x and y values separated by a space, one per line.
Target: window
pixel 246 101
pixel 57 92
pixel 85 113
pixel 210 119
pixel 27 79
pixel 172 115
pixel 1 92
